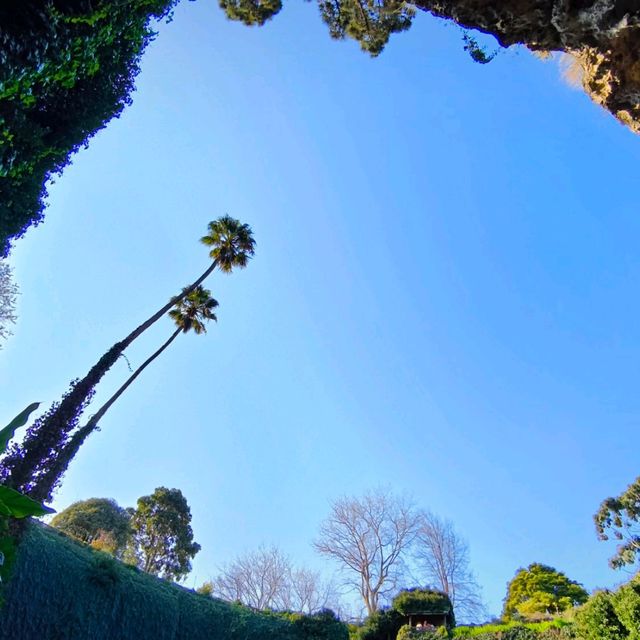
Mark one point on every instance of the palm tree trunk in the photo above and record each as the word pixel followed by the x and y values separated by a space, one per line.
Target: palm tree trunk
pixel 23 465
pixel 46 483
pixel 93 421
pixel 158 314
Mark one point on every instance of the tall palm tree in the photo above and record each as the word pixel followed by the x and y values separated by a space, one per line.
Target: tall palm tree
pixel 231 245
pixel 190 313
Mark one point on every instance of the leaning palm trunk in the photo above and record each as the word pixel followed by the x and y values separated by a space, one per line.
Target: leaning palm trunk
pixel 46 483
pixel 158 314
pixel 40 447
pixel 232 246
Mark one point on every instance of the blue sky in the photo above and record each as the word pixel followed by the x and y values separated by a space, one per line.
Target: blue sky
pixel 443 299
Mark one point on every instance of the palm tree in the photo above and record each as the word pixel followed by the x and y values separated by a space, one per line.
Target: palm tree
pixel 190 313
pixel 232 245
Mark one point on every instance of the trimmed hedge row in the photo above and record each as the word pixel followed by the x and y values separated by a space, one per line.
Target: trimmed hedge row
pixel 62 590
pixel 551 630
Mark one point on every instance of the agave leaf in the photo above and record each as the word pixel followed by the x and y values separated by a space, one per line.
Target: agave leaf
pixel 17 505
pixel 20 420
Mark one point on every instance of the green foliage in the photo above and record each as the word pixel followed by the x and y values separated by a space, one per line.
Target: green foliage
pixel 191 311
pixel 206 589
pixel 413 633
pixel 540 590
pixel 557 629
pixel 381 625
pixel 12 503
pixel 412 601
pixel 251 12
pixel 323 625
pixel 16 505
pixel 19 421
pixel 162 538
pixel 231 241
pixel 93 521
pixel 66 68
pixel 370 22
pixel 597 619
pixel 26 464
pixel 620 516
pixel 64 590
pixel 477 52
pixel 103 571
pixel 626 603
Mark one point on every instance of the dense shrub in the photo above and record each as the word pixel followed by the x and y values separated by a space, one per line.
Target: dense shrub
pixel 381 625
pixel 549 630
pixel 323 625
pixel 597 619
pixel 626 603
pixel 412 633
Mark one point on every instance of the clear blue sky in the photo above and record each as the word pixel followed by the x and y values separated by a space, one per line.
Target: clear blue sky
pixel 444 298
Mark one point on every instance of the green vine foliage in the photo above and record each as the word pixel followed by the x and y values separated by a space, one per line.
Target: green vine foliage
pixel 67 67
pixel 65 590
pixel 13 504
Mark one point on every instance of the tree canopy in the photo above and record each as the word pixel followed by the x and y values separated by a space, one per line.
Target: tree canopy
pixel 68 67
pixel 540 590
pixel 162 538
pixel 97 521
pixel 620 517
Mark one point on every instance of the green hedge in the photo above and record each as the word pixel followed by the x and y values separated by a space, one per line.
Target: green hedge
pixel 62 590
pixel 611 615
pixel 549 630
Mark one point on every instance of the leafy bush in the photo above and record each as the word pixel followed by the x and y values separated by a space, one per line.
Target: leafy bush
pixel 597 619
pixel 549 630
pixel 408 632
pixel 323 625
pixel 626 603
pixel 381 625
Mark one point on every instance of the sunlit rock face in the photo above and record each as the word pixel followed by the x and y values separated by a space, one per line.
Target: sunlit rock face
pixel 602 35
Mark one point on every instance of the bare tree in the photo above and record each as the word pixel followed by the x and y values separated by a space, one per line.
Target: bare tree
pixel 257 579
pixel 368 538
pixel 307 592
pixel 443 558
pixel 266 579
pixel 8 293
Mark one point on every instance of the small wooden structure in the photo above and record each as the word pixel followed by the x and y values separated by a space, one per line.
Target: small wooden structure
pixel 428 619
pixel 425 608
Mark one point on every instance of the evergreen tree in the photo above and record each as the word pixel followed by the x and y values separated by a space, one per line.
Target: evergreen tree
pixel 162 538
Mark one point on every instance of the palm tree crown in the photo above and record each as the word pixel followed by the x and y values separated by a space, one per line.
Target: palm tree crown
pixel 231 241
pixel 190 312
